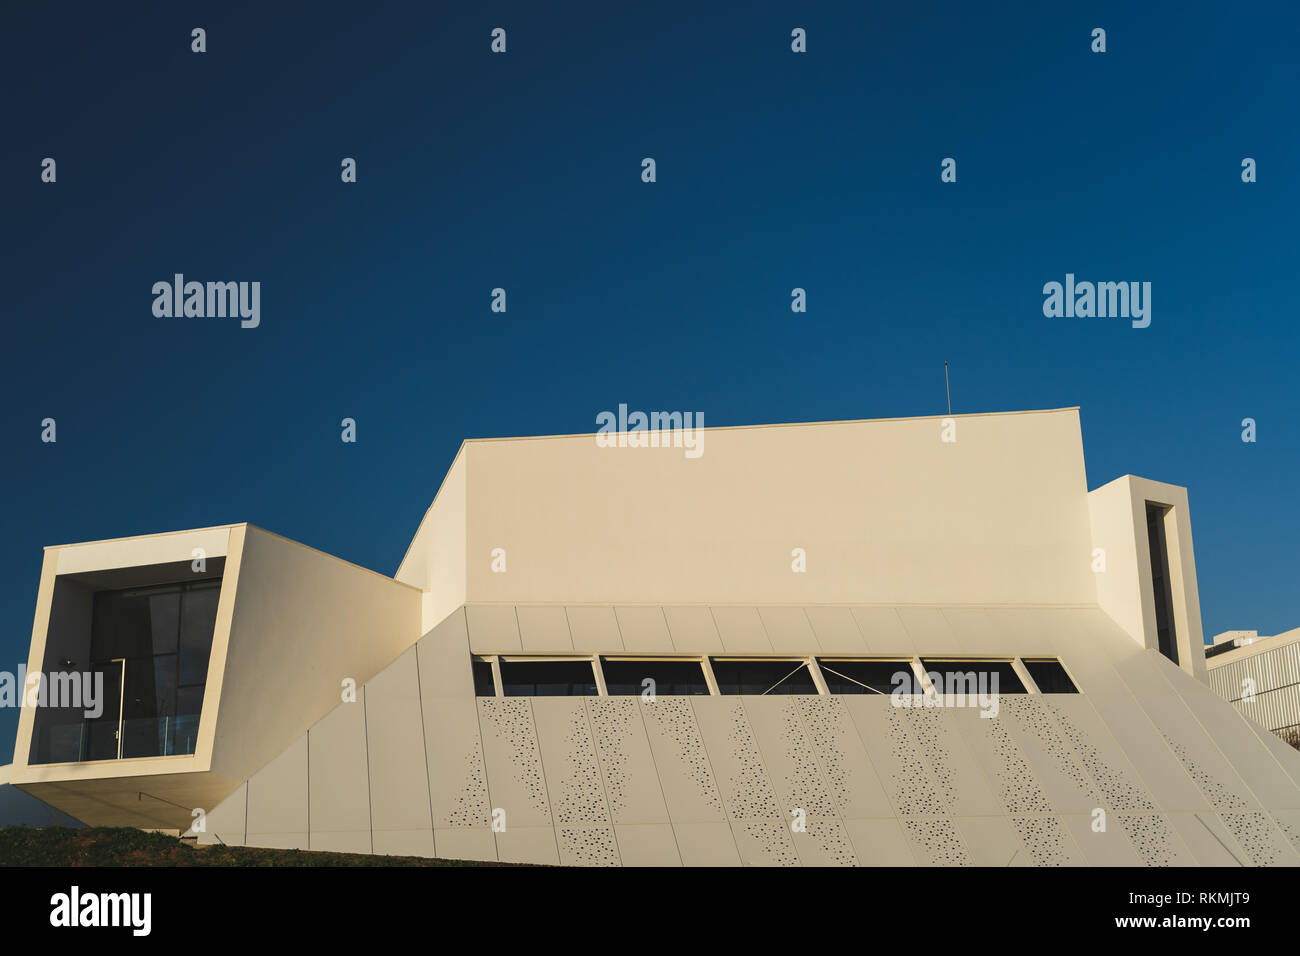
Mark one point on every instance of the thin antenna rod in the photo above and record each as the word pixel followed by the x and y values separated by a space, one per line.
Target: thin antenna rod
pixel 946 386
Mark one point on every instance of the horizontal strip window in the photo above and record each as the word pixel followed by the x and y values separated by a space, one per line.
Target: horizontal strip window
pixel 860 675
pixel 654 676
pixel 547 677
pixel 963 676
pixel 1050 676
pixel 762 675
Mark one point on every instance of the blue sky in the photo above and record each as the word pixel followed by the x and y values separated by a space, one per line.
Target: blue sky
pixel 522 171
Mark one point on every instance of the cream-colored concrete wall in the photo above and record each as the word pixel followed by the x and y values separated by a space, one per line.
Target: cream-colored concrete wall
pixel 1124 589
pixel 885 511
pixel 435 559
pixel 303 621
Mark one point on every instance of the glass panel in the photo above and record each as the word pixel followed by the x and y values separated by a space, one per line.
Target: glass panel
pixel 1051 677
pixel 867 677
pixel 973 677
pixel 198 621
pixel 628 678
pixel 548 679
pixel 484 686
pixel 763 677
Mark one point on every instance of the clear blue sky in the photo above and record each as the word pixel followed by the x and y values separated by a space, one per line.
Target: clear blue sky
pixel 775 170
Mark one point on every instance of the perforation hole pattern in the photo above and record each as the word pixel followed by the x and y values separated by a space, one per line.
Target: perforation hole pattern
pixel 1151 837
pixel 1255 832
pixel 612 725
pixel 1017 787
pixel 674 720
pixel 805 788
pixel 749 792
pixel 580 794
pixel 1219 796
pixel 937 842
pixel 928 733
pixel 1045 840
pixel 772 838
pixel 911 785
pixel 830 838
pixel 511 719
pixel 589 846
pixel 469 808
pixel 827 721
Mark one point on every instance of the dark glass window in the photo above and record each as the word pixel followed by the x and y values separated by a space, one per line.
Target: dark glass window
pixel 484 686
pixel 1160 581
pixel 542 678
pixel 974 677
pixel 736 676
pixel 1050 677
pixel 624 677
pixel 152 646
pixel 844 676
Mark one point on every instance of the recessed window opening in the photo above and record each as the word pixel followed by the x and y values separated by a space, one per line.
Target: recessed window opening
pixel 854 675
pixel 633 676
pixel 547 677
pixel 963 677
pixel 484 684
pixel 1050 676
pixel 761 676
pixel 1161 582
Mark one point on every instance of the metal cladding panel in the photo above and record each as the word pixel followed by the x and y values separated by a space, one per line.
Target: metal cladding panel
pixel 644 630
pixel 1234 736
pixel 930 632
pixel 941 746
pixel 789 630
pixel 568 755
pixel 647 844
pixel 1200 757
pixel 458 786
pixel 707 844
pixel 626 762
pixel 742 777
pixel 225 823
pixel 844 761
pixel 685 773
pixel 693 630
pixel 1207 841
pixel 741 630
pixel 544 627
pixel 443 656
pixel 277 800
pixel 788 755
pixel 1155 763
pixel 993 841
pixel 824 842
pixel 338 786
pixel 836 630
pixel 880 842
pixel 1106 842
pixel 493 628
pixel 401 819
pixel 594 630
pixel 514 763
pixel 906 779
pixel 883 632
pixel 1021 778
pixel 764 843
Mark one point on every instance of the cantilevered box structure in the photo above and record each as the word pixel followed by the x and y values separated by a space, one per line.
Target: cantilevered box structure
pixel 896 642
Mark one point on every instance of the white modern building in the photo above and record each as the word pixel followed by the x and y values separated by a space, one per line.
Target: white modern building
pixel 1260 676
pixel 900 642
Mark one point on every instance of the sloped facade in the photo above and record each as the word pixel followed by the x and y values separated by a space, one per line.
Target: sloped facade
pixel 406 716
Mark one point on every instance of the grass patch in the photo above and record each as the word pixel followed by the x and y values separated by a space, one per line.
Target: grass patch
pixel 127 846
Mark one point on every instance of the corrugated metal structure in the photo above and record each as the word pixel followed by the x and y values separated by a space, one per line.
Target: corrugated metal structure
pixel 1260 676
